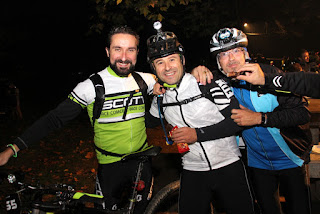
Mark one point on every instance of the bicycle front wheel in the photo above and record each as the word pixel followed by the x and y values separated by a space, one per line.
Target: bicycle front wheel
pixel 166 200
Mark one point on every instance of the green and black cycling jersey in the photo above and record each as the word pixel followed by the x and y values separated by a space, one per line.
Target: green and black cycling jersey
pixel 113 133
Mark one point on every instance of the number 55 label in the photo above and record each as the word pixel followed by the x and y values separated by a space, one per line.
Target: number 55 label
pixel 13 204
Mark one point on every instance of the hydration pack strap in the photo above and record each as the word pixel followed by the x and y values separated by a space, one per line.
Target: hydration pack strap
pixel 142 88
pixel 141 83
pixel 127 106
pixel 100 96
pixel 183 102
pixel 204 93
pixel 106 153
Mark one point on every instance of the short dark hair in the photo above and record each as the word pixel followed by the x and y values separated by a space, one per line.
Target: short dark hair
pixel 122 29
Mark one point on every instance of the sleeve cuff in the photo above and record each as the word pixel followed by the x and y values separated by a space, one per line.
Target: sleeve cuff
pixel 20 143
pixel 200 134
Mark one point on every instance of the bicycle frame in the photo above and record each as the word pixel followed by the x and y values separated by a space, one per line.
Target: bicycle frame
pixel 68 197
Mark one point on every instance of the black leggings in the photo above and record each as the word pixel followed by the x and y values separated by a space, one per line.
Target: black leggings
pixel 116 178
pixel 227 187
pixel 293 187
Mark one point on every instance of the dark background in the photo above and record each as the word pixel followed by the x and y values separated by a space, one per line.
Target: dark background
pixel 46 47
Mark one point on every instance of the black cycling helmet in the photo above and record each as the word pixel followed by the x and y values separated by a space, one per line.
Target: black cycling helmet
pixel 226 39
pixel 162 44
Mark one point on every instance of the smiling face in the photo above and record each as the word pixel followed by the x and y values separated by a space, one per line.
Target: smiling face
pixel 169 69
pixel 231 60
pixel 123 53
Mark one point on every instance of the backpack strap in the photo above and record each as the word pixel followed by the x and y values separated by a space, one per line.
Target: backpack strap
pixel 183 102
pixel 100 96
pixel 142 88
pixel 204 93
pixel 160 104
pixel 127 106
pixel 141 83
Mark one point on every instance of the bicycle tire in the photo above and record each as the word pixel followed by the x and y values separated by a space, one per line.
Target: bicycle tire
pixel 163 196
pixel 159 200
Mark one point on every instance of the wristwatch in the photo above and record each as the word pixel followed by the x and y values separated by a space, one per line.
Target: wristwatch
pixel 263 118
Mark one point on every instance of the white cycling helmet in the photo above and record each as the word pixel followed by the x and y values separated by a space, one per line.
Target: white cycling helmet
pixel 226 39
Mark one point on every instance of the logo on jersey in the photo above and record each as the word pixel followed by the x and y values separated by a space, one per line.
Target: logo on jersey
pixel 115 106
pixel 122 102
pixel 225 88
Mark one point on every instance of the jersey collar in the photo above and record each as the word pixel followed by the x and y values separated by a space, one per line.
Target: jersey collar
pixel 114 73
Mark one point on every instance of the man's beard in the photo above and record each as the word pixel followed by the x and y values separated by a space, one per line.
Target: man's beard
pixel 233 69
pixel 122 72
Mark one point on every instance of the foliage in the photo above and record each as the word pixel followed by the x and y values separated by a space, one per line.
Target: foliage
pixel 190 16
pixel 202 18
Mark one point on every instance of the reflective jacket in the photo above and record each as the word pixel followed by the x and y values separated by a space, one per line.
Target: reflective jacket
pixel 306 84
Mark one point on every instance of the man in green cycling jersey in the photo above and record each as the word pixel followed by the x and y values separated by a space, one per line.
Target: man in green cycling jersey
pixel 115 133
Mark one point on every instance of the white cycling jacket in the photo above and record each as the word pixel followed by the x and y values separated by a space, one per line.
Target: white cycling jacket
pixel 203 114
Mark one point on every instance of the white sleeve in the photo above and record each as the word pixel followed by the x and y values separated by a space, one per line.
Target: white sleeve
pixel 84 92
pixel 154 111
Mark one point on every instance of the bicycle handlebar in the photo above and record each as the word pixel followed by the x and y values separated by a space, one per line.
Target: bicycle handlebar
pixel 64 194
pixel 65 198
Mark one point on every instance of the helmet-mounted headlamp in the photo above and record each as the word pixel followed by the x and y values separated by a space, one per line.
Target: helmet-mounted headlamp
pixel 226 39
pixel 162 44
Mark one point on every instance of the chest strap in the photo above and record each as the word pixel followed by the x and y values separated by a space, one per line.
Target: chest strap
pixel 183 102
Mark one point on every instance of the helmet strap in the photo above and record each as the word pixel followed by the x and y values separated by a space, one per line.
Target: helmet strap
pixel 219 66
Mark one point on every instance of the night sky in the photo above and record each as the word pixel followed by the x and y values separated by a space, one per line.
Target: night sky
pixel 44 48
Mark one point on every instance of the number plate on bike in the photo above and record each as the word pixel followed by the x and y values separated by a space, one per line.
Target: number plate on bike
pixel 13 204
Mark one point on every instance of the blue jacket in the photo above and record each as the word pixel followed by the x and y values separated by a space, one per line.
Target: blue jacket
pixel 282 143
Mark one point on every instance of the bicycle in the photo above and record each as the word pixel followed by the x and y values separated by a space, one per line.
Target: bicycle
pixel 39 199
pixel 29 198
pixel 166 200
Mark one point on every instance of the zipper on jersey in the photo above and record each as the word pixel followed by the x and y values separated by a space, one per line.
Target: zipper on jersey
pixel 254 129
pixel 203 150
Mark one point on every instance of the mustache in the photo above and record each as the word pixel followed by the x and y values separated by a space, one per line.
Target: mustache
pixel 125 62
pixel 233 63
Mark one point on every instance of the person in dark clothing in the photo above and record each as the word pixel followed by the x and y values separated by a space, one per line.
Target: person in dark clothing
pixel 306 64
pixel 305 84
pixel 10 100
